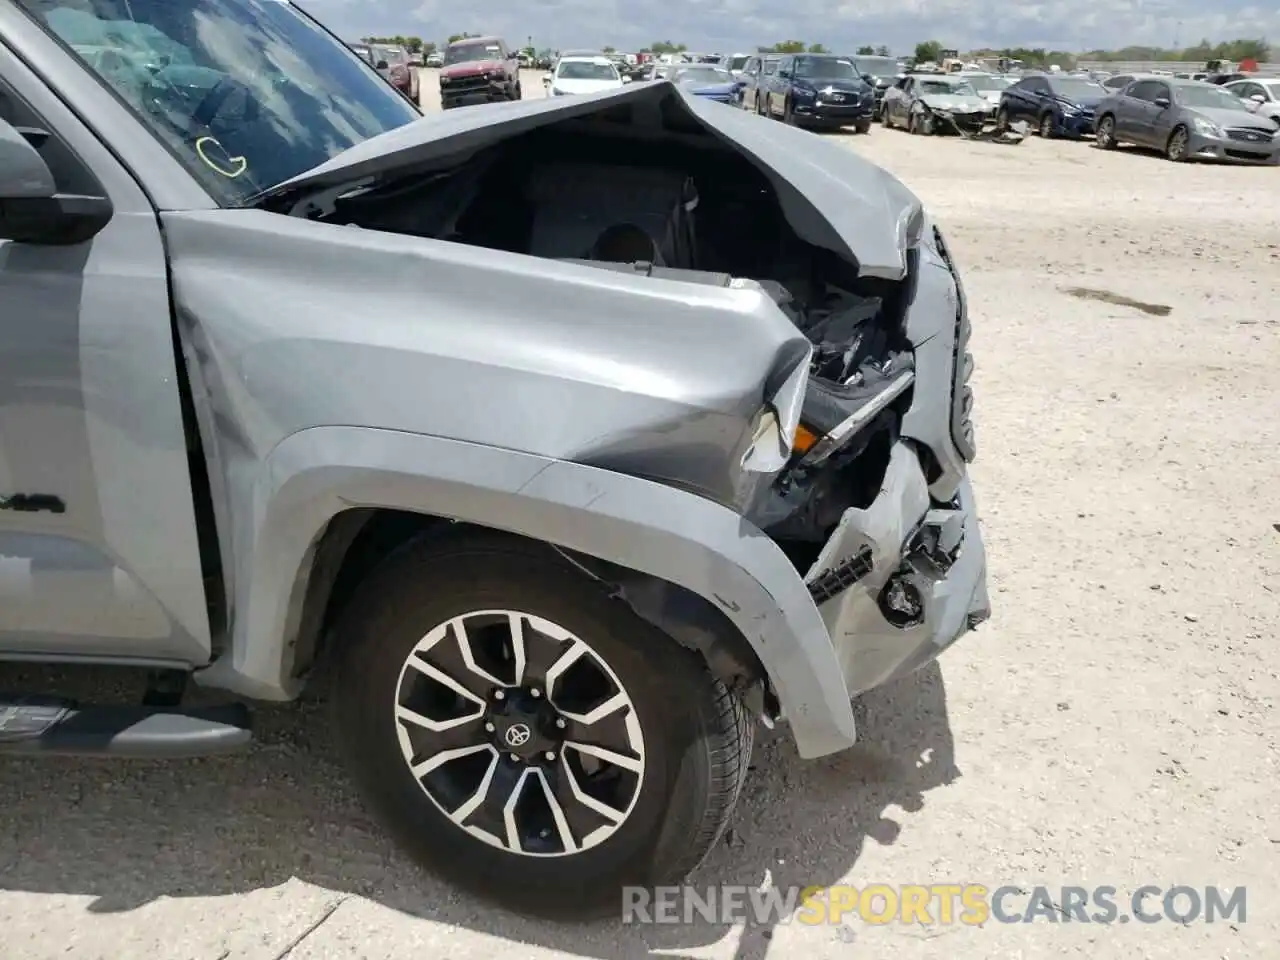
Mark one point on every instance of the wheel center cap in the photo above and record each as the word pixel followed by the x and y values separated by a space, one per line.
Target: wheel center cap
pixel 517 735
pixel 523 726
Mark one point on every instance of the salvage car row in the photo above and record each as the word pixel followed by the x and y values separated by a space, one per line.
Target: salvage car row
pixel 1185 119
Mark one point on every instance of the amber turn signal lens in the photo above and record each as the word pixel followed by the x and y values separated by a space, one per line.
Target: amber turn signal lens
pixel 805 439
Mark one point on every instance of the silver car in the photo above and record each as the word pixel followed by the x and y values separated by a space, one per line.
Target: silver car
pixel 565 471
pixel 1261 96
pixel 1186 120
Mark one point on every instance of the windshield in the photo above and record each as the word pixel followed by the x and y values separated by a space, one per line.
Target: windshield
pixel 1077 88
pixel 955 88
pixel 703 75
pixel 472 52
pixel 984 84
pixel 585 70
pixel 827 68
pixel 737 63
pixel 392 55
pixel 245 93
pixel 1207 95
pixel 878 66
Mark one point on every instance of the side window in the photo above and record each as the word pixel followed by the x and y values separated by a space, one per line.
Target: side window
pixel 1041 87
pixel 1021 86
pixel 1161 90
pixel 1142 90
pixel 908 84
pixel 1115 83
pixel 770 68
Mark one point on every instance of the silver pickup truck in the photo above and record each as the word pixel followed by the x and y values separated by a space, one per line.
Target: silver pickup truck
pixel 574 438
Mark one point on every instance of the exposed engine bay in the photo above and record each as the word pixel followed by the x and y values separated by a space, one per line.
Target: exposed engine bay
pixel 687 208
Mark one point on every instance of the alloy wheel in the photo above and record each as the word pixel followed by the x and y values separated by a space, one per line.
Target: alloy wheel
pixel 1177 148
pixel 520 733
pixel 1105 136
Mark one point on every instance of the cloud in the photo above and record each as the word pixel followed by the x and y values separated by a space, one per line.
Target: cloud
pixel 728 25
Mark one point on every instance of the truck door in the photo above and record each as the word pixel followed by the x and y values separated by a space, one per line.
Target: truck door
pixel 99 558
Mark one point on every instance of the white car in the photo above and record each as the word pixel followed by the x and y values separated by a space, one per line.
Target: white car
pixel 1261 96
pixel 583 75
pixel 989 85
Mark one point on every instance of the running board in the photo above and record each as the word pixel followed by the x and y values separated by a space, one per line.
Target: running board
pixel 36 725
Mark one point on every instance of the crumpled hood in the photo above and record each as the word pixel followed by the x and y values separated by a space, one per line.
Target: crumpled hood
pixel 957 103
pixel 831 197
pixel 471 68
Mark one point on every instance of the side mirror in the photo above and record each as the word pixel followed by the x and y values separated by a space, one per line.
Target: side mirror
pixel 1162 103
pixel 382 65
pixel 31 209
pixel 1258 98
pixel 546 81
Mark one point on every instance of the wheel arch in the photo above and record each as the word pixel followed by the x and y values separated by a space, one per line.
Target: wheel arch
pixel 331 501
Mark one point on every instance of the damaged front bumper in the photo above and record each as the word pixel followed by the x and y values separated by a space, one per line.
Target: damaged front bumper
pixel 901 580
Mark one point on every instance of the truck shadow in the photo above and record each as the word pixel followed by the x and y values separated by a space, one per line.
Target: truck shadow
pixel 130 833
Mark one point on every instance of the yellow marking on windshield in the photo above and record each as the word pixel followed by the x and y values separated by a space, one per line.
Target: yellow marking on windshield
pixel 238 165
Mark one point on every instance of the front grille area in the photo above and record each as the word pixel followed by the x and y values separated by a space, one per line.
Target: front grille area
pixel 1245 133
pixel 962 432
pixel 466 85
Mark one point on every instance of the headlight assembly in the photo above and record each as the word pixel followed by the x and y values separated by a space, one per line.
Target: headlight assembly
pixel 1207 127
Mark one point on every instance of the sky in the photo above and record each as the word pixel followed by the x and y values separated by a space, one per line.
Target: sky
pixel 725 26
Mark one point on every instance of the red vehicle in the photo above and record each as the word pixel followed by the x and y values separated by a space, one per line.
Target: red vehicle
pixel 394 64
pixel 479 70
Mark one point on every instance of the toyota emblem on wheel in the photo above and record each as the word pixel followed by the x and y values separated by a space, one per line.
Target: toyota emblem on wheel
pixel 517 735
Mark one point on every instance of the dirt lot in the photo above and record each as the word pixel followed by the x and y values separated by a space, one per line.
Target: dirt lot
pixel 1115 723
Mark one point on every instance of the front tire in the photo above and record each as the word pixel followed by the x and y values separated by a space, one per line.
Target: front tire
pixel 1105 135
pixel 1175 149
pixel 586 750
pixel 1002 120
pixel 862 126
pixel 1046 125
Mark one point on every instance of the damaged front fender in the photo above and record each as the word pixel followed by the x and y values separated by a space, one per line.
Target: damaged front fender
pixel 674 536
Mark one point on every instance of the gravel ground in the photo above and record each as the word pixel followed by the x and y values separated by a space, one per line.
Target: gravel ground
pixel 1113 724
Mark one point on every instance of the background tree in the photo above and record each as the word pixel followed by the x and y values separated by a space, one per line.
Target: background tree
pixel 882 51
pixel 928 50
pixel 666 46
pixel 866 51
pixel 454 38
pixel 608 49
pixel 818 48
pixel 788 46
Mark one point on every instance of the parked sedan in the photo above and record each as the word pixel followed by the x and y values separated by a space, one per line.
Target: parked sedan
pixel 575 75
pixel 755 81
pixel 927 103
pixel 1188 120
pixel 708 81
pixel 1261 96
pixel 990 86
pixel 1055 105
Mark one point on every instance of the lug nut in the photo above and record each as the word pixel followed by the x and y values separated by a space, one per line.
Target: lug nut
pixel 489 728
pixel 515 757
pixel 535 693
pixel 499 695
pixel 560 724
pixel 550 754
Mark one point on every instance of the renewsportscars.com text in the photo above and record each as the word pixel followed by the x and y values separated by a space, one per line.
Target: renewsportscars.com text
pixel 970 904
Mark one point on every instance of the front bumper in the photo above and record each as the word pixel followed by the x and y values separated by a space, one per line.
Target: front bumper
pixel 923 577
pixel 831 113
pixel 1203 147
pixel 1077 124
pixel 469 91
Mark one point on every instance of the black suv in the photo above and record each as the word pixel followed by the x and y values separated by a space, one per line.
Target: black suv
pixel 814 90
